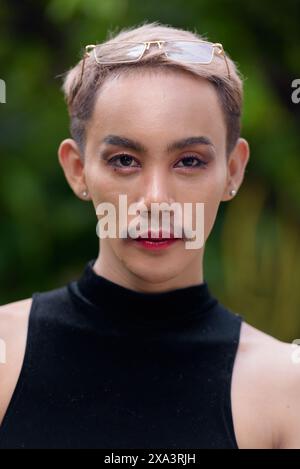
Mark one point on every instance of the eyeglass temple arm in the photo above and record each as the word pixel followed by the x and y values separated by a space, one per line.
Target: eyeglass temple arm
pixel 88 49
pixel 222 52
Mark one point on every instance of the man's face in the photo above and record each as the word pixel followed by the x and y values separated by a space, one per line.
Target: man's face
pixel 155 110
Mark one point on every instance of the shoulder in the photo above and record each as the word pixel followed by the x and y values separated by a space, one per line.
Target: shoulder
pixel 16 306
pixel 13 333
pixel 267 377
pixel 12 315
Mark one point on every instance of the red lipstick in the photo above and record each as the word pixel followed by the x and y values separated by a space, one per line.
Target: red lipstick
pixel 155 242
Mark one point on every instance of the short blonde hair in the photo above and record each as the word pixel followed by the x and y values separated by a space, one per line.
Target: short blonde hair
pixel 80 94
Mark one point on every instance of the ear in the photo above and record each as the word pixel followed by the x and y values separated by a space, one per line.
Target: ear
pixel 71 162
pixel 236 165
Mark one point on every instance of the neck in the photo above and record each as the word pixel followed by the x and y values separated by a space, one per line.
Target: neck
pixel 111 268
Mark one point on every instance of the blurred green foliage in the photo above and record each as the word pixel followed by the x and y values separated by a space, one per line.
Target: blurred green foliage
pixel 252 259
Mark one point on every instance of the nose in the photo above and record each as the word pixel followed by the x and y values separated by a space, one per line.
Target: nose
pixel 155 188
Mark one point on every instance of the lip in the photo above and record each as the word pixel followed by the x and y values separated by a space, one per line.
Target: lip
pixel 154 242
pixel 155 245
pixel 156 235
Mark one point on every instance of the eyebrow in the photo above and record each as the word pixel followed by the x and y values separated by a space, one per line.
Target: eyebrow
pixel 119 141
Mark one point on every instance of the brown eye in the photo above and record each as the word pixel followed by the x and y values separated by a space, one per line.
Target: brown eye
pixel 191 162
pixel 122 161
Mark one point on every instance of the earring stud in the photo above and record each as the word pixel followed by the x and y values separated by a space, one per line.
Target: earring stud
pixel 84 193
pixel 232 192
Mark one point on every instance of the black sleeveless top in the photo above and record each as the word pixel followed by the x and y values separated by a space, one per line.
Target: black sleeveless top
pixel 109 367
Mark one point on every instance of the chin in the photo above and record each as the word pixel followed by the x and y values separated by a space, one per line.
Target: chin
pixel 154 271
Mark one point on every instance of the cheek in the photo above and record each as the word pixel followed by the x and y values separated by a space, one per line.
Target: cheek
pixel 102 187
pixel 210 213
pixel 213 197
pixel 209 190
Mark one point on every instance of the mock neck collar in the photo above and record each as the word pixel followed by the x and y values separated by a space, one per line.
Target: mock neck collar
pixel 130 306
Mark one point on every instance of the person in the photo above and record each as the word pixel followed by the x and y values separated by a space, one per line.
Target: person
pixel 137 352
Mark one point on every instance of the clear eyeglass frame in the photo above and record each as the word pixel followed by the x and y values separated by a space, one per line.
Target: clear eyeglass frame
pixel 187 51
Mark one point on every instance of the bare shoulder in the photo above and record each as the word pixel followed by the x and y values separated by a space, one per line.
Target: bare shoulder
pixel 14 308
pixel 13 334
pixel 13 316
pixel 265 391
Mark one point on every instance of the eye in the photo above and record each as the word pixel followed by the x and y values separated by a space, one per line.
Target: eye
pixel 122 161
pixel 191 161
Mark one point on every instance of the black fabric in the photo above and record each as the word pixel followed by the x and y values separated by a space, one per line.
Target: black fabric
pixel 109 367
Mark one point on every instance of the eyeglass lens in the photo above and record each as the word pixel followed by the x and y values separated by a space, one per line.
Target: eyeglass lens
pixel 181 50
pixel 190 52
